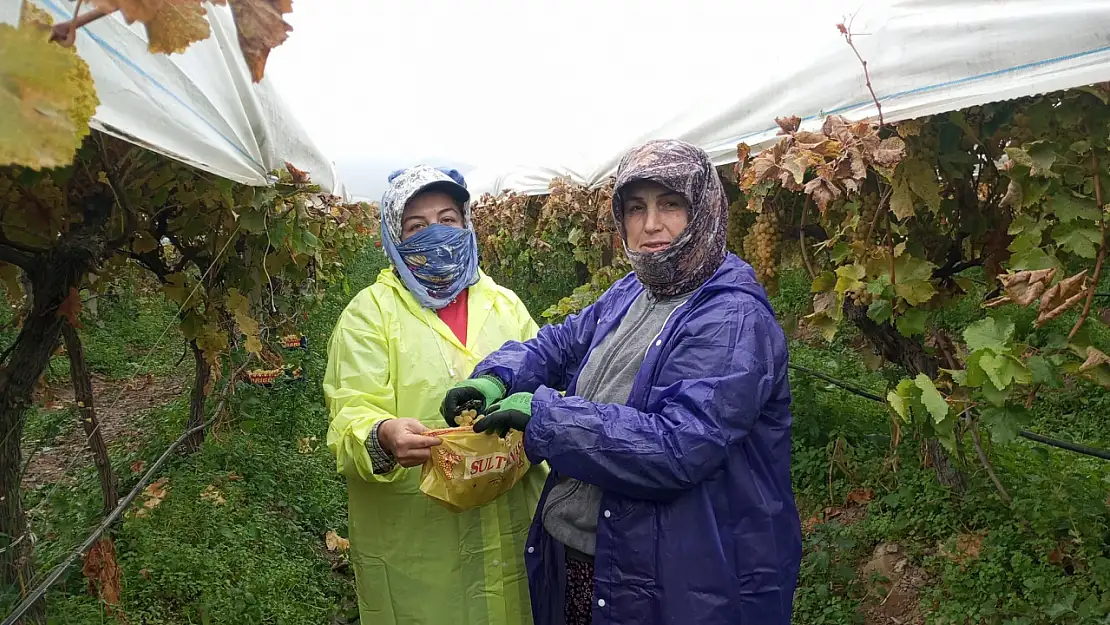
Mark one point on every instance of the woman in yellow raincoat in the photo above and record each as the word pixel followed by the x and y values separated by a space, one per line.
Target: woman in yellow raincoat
pixel 399 346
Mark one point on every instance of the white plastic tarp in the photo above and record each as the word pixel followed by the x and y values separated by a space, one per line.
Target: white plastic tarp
pixel 923 57
pixel 199 106
pixel 524 91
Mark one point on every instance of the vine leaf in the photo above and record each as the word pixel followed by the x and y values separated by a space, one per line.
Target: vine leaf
pixel 989 334
pixel 901 200
pixel 1082 242
pixel 922 180
pixel 914 279
pixel 1024 287
pixel 176 27
pixel 1068 207
pixel 931 397
pixel 1094 359
pixel 1060 297
pixel 261 28
pixel 46 99
pixel 171 25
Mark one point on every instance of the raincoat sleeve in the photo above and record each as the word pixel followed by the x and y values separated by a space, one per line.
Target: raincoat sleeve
pixel 358 388
pixel 716 391
pixel 550 359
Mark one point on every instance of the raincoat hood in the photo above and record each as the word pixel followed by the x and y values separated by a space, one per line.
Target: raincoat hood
pixel 699 249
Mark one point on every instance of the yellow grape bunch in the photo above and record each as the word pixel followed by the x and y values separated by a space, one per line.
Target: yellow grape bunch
pixel 869 203
pixel 761 248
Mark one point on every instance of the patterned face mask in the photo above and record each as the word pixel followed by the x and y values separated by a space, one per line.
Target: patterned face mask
pixel 438 262
pixel 697 251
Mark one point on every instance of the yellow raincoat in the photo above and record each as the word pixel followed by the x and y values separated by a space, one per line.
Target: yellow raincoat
pixel 415 562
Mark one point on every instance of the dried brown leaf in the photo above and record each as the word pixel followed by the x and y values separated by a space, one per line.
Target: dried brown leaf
pixel 335 542
pixel 788 124
pixel 261 28
pixel 822 191
pixel 860 496
pixel 1094 359
pixel 1060 297
pixel 299 175
pixel 103 574
pixel 889 152
pixel 213 494
pixel 70 308
pixel 1024 287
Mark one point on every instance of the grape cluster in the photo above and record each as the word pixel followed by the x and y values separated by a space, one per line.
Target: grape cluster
pixel 761 248
pixel 869 203
pixel 861 297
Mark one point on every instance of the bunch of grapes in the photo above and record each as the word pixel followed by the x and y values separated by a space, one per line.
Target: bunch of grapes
pixel 861 297
pixel 761 247
pixel 869 203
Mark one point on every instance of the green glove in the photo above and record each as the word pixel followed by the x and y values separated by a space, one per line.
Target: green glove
pixel 512 413
pixel 474 394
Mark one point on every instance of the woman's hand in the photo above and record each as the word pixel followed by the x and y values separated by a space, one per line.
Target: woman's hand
pixel 512 413
pixel 477 394
pixel 403 439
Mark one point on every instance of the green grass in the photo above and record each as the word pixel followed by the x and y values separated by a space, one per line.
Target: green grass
pixel 260 557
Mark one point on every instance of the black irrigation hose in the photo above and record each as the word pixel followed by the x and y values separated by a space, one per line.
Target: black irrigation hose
pixel 1066 445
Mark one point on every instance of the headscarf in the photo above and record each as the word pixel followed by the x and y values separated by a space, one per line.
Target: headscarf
pixel 438 262
pixel 697 251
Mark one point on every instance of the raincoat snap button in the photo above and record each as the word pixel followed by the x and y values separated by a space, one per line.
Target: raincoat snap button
pixel 601 603
pixel 658 343
pixel 495 562
pixel 531 550
pixel 608 514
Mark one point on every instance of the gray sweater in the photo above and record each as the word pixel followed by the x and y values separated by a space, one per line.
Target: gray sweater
pixel 571 511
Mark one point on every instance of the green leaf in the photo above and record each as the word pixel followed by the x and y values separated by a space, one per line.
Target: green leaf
pixel 913 279
pixel 1082 242
pixel 253 221
pixel 959 376
pixel 879 311
pixel 901 200
pixel 823 282
pixel 1043 372
pixel 922 180
pixel 1068 207
pixel 1002 369
pixel 1031 259
pixel 1004 422
pixel 850 277
pixel 931 397
pixel 840 252
pixel 912 322
pixel 995 396
pixel 898 403
pixel 990 334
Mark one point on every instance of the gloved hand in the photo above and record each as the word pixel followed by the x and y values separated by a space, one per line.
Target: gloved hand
pixel 474 394
pixel 512 413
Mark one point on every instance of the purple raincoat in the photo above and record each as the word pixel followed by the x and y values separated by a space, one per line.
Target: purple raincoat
pixel 698 523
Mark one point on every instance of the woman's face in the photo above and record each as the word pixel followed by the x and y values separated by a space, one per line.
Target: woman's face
pixel 653 216
pixel 427 208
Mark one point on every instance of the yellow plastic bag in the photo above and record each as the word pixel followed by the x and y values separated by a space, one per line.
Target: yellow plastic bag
pixel 469 469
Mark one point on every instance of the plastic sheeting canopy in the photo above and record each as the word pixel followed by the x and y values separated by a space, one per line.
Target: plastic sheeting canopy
pixel 924 57
pixel 199 107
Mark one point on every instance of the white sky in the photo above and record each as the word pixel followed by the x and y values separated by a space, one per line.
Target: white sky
pixel 383 84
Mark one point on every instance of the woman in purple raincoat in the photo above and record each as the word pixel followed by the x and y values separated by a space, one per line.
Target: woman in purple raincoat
pixel 669 500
